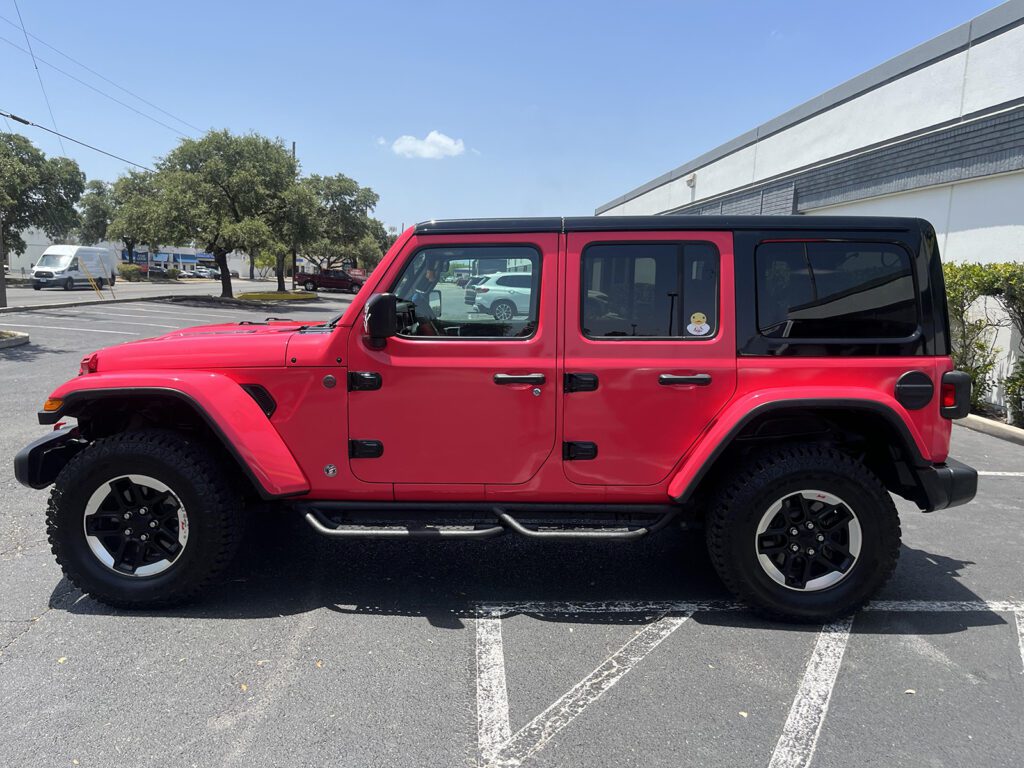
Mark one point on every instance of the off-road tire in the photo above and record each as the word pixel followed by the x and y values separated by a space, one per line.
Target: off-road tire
pixel 745 496
pixel 213 506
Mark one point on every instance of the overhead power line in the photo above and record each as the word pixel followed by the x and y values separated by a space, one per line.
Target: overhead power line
pixel 39 75
pixel 23 121
pixel 101 77
pixel 94 88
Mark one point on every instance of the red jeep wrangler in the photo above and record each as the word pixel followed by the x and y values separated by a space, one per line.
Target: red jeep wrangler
pixel 330 280
pixel 773 378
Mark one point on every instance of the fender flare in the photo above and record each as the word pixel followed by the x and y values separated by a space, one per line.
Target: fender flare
pixel 231 414
pixel 721 433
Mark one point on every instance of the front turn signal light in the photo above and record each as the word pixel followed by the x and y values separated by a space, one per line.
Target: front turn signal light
pixel 53 404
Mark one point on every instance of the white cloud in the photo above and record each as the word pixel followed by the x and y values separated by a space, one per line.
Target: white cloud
pixel 381 141
pixel 435 146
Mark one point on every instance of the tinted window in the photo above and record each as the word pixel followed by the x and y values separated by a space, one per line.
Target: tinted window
pixel 432 307
pixel 835 290
pixel 650 290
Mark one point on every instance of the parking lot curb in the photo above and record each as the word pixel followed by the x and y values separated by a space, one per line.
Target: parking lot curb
pixel 18 339
pixel 91 302
pixel 992 428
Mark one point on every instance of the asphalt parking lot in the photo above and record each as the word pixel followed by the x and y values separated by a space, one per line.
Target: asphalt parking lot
pixel 22 295
pixel 504 652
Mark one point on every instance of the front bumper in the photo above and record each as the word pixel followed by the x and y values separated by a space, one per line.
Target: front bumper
pixel 38 464
pixel 947 485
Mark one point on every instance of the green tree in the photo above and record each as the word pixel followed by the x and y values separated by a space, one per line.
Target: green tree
pixel 96 210
pixel 35 191
pixel 295 225
pixel 136 216
pixel 343 218
pixel 222 190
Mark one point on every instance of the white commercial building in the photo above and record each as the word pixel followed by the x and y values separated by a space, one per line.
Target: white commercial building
pixel 937 132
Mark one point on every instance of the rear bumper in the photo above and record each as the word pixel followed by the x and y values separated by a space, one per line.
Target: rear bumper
pixel 38 464
pixel 947 485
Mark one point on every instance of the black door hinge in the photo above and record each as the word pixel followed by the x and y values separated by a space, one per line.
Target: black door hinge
pixel 580 382
pixel 365 449
pixel 363 381
pixel 579 451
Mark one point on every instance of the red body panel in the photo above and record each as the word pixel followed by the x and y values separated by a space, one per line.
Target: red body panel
pixel 234 412
pixel 642 428
pixel 439 400
pixel 451 434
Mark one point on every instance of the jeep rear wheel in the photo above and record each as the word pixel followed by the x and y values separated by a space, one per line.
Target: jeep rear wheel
pixel 804 533
pixel 309 285
pixel 143 519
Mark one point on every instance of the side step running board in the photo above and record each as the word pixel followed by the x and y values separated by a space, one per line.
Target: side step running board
pixel 399 532
pixel 498 521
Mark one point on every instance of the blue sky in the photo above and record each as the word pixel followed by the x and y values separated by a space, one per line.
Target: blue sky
pixel 536 107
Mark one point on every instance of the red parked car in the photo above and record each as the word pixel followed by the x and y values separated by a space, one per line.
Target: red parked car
pixel 331 280
pixel 773 379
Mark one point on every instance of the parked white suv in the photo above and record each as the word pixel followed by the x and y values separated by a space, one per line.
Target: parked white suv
pixel 502 294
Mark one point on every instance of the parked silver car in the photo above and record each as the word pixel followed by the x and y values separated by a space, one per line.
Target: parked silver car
pixel 502 294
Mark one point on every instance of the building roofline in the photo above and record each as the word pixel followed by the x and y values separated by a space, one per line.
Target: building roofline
pixel 996 21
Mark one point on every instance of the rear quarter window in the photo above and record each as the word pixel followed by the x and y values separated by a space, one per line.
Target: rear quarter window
pixel 835 290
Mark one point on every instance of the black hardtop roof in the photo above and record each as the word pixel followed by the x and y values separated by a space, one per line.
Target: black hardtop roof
pixel 642 223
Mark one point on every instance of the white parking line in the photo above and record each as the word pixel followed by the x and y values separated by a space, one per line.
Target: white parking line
pixel 64 328
pixel 799 738
pixel 1001 474
pixel 167 310
pixel 795 747
pixel 120 321
pixel 532 737
pixel 493 729
pixel 1019 615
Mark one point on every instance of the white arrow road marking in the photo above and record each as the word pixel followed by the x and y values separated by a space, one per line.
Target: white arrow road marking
pixel 538 732
pixel 800 734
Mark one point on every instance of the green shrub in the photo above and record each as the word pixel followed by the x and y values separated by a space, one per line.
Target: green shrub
pixel 972 342
pixel 130 272
pixel 172 273
pixel 1013 388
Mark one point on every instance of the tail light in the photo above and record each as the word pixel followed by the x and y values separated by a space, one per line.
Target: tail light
pixel 481 290
pixel 955 395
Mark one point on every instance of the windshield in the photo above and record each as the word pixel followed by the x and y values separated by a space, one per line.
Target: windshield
pixel 52 260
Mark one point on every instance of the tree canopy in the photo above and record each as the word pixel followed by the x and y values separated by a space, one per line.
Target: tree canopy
pixel 223 191
pixel 96 209
pixel 35 191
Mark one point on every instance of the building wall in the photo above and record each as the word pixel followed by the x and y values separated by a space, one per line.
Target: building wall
pixel 971 71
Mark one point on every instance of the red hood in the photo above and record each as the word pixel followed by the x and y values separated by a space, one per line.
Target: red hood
pixel 231 345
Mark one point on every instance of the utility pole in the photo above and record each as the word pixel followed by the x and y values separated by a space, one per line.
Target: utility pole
pixel 294 256
pixel 3 260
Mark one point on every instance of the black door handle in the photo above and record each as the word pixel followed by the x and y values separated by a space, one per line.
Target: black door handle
pixel 696 379
pixel 519 378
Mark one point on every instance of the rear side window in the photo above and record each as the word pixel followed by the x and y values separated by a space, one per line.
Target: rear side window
pixel 649 290
pixel 847 290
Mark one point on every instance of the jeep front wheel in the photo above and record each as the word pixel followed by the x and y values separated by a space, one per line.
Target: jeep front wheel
pixel 309 285
pixel 804 533
pixel 143 519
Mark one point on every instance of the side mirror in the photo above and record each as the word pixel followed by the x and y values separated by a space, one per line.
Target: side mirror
pixel 380 319
pixel 435 303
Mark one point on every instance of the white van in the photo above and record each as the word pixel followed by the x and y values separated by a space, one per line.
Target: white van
pixel 66 266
